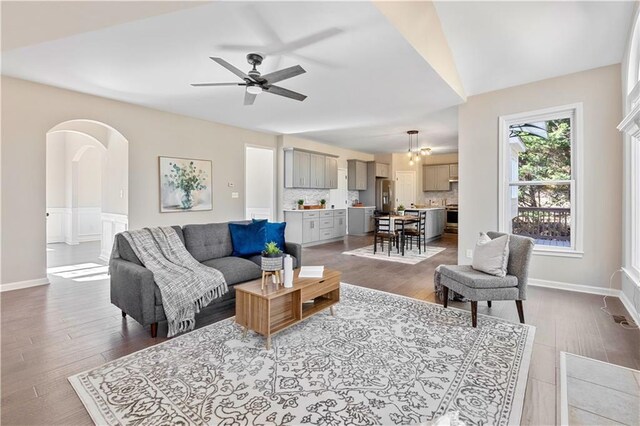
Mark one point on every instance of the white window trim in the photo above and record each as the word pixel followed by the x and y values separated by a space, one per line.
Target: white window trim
pixel 577 198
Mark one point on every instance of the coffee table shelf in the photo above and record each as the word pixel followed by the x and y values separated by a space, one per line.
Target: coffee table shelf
pixel 274 308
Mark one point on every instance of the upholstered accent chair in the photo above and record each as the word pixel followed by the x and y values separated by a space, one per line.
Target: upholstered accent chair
pixel 477 286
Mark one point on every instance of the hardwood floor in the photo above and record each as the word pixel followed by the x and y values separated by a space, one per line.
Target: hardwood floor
pixel 52 332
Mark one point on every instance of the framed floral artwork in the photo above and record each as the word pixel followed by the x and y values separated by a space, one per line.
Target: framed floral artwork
pixel 186 184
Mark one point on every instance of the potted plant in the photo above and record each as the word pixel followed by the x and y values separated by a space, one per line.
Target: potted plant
pixel 400 210
pixel 323 203
pixel 300 204
pixel 271 257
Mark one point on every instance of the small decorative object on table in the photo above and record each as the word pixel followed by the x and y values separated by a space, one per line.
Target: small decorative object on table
pixel 271 262
pixel 400 210
pixel 300 204
pixel 323 203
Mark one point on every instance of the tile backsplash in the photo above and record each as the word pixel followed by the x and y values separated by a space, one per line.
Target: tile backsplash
pixel 311 196
pixel 442 197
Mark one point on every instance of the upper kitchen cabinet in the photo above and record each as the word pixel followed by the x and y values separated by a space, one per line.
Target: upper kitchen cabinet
pixel 436 177
pixel 357 172
pixel 453 172
pixel 308 169
pixel 331 173
pixel 382 170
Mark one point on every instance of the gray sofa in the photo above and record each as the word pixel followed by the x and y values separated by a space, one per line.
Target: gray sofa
pixel 134 291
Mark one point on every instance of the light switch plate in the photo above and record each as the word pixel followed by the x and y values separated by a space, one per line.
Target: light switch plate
pixel 234 195
pixel 469 253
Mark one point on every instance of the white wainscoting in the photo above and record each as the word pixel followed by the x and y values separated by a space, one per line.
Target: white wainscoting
pixel 89 220
pixel 56 224
pixel 111 225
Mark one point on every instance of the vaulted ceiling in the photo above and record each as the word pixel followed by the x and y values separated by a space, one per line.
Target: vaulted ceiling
pixel 368 79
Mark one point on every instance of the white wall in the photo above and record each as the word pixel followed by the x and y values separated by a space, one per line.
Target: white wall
pixel 599 91
pixel 260 177
pixel 30 110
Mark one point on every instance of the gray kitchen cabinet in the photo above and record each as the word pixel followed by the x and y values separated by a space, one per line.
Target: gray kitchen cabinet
pixel 357 171
pixel 316 175
pixel 436 220
pixel 310 227
pixel 331 173
pixel 435 177
pixel 361 220
pixel 382 170
pixel 308 169
pixel 453 171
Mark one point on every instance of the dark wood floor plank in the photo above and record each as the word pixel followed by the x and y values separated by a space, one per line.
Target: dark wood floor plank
pixel 69 327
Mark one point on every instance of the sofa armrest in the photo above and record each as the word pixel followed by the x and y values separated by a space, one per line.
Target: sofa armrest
pixel 295 250
pixel 133 290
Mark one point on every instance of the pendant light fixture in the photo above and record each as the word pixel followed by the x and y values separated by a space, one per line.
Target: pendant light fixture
pixel 415 151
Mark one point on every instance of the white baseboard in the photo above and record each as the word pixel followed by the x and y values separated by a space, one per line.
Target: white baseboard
pixel 630 308
pixel 591 290
pixel 574 287
pixel 23 284
pixel 89 237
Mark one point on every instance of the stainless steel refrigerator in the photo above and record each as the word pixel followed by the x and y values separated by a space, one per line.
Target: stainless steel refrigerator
pixel 384 195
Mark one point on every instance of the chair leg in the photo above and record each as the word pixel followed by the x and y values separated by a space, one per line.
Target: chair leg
pixel 375 244
pixel 474 314
pixel 154 330
pixel 445 296
pixel 124 315
pixel 489 303
pixel 520 311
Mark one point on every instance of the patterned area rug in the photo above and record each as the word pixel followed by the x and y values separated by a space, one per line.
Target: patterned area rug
pixel 411 257
pixel 383 359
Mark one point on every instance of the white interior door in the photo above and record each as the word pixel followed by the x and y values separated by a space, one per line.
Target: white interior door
pixel 259 187
pixel 405 188
pixel 339 197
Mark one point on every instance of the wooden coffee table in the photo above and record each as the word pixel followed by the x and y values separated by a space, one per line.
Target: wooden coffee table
pixel 275 308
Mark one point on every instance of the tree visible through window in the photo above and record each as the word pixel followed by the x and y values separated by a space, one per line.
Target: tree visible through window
pixel 541 180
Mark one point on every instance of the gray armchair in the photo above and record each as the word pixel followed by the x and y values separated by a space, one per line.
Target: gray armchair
pixel 477 286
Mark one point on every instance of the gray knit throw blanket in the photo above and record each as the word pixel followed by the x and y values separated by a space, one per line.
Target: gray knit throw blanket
pixel 185 284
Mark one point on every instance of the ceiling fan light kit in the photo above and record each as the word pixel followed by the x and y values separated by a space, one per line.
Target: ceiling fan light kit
pixel 257 83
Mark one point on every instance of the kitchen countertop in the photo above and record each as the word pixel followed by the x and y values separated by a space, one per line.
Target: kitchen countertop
pixel 362 207
pixel 308 210
pixel 427 208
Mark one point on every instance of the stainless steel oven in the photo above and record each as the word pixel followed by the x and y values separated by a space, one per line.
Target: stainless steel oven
pixel 452 218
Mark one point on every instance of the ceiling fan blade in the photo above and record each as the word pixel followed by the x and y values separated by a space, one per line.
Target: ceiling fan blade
pixel 217 84
pixel 300 43
pixel 277 90
pixel 249 98
pixel 230 67
pixel 284 74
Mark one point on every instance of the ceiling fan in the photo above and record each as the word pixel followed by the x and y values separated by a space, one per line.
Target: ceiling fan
pixel 256 83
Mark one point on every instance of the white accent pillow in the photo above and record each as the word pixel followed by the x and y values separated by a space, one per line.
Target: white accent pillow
pixel 491 256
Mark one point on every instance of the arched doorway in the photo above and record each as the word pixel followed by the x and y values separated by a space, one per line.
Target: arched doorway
pixel 87 191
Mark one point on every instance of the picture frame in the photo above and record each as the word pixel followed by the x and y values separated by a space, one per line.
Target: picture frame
pixel 186 184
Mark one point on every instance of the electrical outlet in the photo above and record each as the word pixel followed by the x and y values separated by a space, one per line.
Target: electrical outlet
pixel 469 253
pixel 234 195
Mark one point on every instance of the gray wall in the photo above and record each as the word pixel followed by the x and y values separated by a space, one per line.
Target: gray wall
pixel 30 110
pixel 599 91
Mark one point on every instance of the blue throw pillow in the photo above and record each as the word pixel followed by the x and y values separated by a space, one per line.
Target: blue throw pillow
pixel 247 239
pixel 275 232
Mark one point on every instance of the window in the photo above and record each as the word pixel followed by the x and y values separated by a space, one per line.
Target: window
pixel 540 185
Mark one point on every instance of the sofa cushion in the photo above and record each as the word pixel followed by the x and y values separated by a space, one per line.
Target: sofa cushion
pixel 235 269
pixel 208 241
pixel 248 239
pixel 468 276
pixel 127 253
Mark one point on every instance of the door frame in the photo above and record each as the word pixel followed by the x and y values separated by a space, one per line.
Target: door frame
pixel 274 215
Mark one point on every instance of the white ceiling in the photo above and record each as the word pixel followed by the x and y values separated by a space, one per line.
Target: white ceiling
pixel 365 84
pixel 363 78
pixel 502 44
